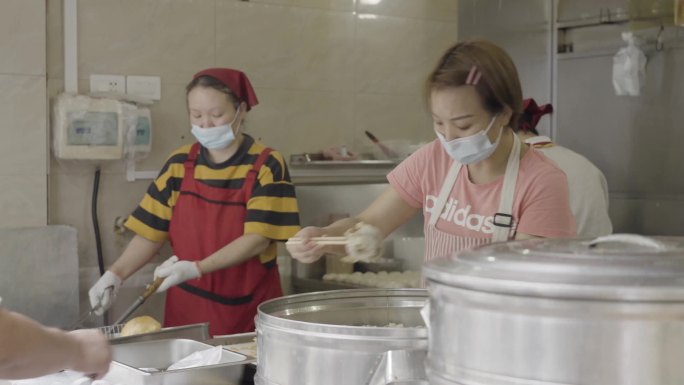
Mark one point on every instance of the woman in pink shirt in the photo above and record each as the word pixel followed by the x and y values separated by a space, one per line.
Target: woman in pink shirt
pixel 475 183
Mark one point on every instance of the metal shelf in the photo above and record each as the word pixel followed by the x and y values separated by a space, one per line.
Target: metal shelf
pixel 341 172
pixel 665 19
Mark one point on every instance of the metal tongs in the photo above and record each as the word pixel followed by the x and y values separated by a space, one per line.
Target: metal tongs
pixel 149 290
pixel 83 317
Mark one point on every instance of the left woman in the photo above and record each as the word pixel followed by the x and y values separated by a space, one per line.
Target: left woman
pixel 222 202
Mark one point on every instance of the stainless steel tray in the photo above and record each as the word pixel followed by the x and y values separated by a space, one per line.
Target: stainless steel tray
pixel 145 363
pixel 198 332
pixel 243 343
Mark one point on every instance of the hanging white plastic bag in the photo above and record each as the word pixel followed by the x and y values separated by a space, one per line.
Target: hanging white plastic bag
pixel 629 67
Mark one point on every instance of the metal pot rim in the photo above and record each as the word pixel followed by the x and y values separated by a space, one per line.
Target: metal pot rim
pixel 569 269
pixel 270 313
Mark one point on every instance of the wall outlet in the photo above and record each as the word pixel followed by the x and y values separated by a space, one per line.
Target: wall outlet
pixel 108 83
pixel 148 87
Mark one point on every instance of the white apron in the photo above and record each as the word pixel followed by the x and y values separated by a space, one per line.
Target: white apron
pixel 440 244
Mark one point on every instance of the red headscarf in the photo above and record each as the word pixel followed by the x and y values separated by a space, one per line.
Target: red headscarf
pixel 532 113
pixel 236 81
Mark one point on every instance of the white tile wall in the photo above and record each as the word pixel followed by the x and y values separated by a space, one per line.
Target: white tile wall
pixel 446 10
pixel 322 74
pixel 23 114
pixel 23 200
pixel 287 47
pixel 396 54
pixel 22 37
pixel 23 108
pixel 167 38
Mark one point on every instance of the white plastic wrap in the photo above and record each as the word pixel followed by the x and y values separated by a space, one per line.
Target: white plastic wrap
pixel 90 128
pixel 202 358
pixel 629 68
pixel 66 377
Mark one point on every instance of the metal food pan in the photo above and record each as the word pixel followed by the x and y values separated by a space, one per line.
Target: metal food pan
pixel 239 343
pixel 198 332
pixel 145 363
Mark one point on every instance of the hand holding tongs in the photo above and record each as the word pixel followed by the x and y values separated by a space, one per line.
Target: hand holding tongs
pixel 149 290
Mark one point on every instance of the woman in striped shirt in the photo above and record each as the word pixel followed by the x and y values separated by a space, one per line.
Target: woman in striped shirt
pixel 222 202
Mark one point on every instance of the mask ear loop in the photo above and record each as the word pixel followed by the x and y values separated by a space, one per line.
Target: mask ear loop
pixel 232 124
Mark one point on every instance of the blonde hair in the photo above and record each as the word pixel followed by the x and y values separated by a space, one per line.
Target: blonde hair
pixel 498 86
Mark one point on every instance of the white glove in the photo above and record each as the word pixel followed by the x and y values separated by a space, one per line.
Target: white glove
pixel 104 291
pixel 174 272
pixel 364 242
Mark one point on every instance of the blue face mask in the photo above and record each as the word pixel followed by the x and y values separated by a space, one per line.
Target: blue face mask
pixel 216 138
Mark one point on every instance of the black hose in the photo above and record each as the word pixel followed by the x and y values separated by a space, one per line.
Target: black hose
pixel 96 226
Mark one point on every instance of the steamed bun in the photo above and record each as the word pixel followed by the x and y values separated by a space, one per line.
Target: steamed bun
pixel 140 325
pixel 364 243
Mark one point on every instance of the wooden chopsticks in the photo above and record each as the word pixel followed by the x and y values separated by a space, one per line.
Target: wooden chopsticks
pixel 319 240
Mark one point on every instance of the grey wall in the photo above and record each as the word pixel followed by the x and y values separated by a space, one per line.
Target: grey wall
pixel 39 273
pixel 636 141
pixel 522 28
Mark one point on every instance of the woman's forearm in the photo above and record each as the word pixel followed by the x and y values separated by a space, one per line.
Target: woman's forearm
pixel 138 252
pixel 234 253
pixel 338 228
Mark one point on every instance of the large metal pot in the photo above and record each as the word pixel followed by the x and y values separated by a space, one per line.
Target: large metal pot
pixel 603 312
pixel 342 338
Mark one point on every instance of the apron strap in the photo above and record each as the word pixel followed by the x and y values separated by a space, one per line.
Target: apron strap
pixel 503 219
pixel 215 297
pixel 192 156
pixel 189 163
pixel 252 175
pixel 539 141
pixel 447 186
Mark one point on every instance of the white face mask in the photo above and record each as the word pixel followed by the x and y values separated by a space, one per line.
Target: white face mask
pixel 473 148
pixel 216 138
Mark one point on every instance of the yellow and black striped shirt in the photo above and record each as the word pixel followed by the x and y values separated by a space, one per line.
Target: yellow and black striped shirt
pixel 271 210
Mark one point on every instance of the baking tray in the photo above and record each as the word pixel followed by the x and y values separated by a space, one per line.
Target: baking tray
pixel 144 363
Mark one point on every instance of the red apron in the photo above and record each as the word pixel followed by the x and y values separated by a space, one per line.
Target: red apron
pixel 205 219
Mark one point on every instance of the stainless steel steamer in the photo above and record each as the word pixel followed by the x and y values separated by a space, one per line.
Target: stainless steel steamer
pixel 543 312
pixel 346 337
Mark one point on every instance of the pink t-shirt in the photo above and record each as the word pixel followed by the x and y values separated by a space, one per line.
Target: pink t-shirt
pixel 540 207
